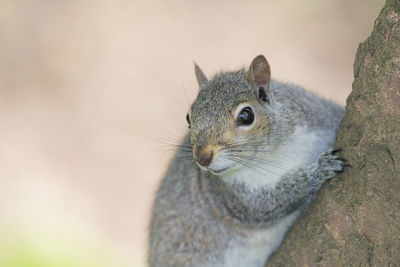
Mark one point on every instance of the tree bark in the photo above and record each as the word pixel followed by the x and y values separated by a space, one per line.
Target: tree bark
pixel 355 220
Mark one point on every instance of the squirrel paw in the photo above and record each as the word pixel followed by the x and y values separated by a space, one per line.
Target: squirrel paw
pixel 329 164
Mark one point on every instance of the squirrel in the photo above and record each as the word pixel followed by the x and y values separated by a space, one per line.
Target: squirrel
pixel 256 153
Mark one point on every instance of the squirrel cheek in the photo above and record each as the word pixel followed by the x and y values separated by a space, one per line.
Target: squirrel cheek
pixel 229 136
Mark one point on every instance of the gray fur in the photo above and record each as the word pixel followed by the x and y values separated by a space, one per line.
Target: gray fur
pixel 198 217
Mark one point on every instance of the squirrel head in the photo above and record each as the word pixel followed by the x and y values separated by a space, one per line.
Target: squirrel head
pixel 229 116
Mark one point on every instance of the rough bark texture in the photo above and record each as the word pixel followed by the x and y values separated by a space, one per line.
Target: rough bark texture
pixel 355 220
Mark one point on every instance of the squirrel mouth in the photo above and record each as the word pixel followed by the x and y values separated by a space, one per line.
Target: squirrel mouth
pixel 217 172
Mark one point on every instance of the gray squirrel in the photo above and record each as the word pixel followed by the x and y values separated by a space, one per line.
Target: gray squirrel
pixel 256 153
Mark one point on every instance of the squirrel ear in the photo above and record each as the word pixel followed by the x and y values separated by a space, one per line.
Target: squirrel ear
pixel 201 77
pixel 259 76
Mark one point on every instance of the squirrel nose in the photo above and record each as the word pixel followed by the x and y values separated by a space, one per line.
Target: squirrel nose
pixel 204 155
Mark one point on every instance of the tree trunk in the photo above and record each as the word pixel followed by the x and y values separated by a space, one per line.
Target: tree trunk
pixel 355 220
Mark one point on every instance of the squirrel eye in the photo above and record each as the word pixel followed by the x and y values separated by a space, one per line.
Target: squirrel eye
pixel 245 117
pixel 188 119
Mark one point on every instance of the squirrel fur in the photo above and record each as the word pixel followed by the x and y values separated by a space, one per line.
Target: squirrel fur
pixel 256 153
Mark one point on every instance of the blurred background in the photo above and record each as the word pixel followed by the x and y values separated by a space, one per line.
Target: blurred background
pixel 93 94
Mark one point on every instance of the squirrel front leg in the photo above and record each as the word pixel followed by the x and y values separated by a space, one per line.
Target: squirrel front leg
pixel 267 204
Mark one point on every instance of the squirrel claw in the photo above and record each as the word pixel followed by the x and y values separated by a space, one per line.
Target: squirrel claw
pixel 335 151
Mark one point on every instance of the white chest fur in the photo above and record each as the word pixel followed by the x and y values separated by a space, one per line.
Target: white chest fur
pixel 257 247
pixel 301 149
